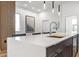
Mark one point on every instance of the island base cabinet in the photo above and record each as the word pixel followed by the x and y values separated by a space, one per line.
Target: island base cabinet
pixel 62 49
pixel 18 48
pixel 75 45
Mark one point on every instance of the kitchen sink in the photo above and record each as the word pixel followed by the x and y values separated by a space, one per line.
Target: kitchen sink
pixel 57 35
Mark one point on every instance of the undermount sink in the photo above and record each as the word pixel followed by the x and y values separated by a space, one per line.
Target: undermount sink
pixel 57 35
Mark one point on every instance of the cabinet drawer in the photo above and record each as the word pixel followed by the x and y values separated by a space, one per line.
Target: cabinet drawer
pixel 60 48
pixel 50 51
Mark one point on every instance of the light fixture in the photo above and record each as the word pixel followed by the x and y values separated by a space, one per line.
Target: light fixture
pixel 59 13
pixel 58 9
pixel 30 1
pixel 32 7
pixel 44 5
pixel 52 6
pixel 25 5
pixel 39 10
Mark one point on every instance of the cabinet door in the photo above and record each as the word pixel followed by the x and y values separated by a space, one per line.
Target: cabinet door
pixel 62 49
pixel 74 45
pixel 78 40
pixel 68 45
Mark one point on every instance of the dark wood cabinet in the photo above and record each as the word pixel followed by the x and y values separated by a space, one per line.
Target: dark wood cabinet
pixel 78 41
pixel 75 45
pixel 64 48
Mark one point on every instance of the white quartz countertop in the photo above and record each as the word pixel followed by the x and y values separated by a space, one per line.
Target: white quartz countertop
pixel 40 40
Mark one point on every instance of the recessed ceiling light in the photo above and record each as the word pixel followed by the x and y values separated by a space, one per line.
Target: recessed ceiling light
pixel 32 7
pixel 39 10
pixel 25 5
pixel 30 1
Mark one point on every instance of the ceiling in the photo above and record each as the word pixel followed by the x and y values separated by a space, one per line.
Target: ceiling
pixel 35 6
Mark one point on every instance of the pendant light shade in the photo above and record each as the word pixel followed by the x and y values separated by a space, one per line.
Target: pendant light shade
pixel 58 9
pixel 44 5
pixel 52 6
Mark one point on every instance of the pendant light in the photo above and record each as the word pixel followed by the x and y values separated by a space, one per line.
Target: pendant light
pixel 44 5
pixel 58 9
pixel 52 6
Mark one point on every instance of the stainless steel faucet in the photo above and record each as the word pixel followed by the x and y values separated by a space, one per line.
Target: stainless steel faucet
pixel 56 27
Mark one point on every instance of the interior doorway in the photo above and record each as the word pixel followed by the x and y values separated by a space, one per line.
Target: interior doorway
pixel 71 24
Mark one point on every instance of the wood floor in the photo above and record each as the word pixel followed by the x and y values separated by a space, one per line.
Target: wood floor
pixel 77 53
pixel 4 53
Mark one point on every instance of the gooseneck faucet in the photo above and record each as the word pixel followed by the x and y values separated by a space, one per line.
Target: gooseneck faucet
pixel 56 27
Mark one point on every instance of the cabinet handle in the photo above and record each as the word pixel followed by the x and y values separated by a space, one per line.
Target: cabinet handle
pixel 55 55
pixel 59 51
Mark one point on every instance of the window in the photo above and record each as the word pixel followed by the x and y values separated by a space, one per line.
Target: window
pixel 71 24
pixel 17 22
pixel 74 25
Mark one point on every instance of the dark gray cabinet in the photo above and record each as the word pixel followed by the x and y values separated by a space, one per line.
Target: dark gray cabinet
pixel 64 49
pixel 78 41
pixel 75 45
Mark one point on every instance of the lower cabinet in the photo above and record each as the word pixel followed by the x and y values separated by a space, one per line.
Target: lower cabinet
pixel 64 48
pixel 75 45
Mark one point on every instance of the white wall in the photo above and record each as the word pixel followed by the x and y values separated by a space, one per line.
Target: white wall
pixel 23 13
pixel 69 9
pixel 45 15
pixel 39 17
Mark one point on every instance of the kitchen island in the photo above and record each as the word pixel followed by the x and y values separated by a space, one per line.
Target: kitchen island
pixel 42 46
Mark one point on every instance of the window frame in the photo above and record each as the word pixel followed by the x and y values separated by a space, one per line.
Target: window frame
pixel 19 22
